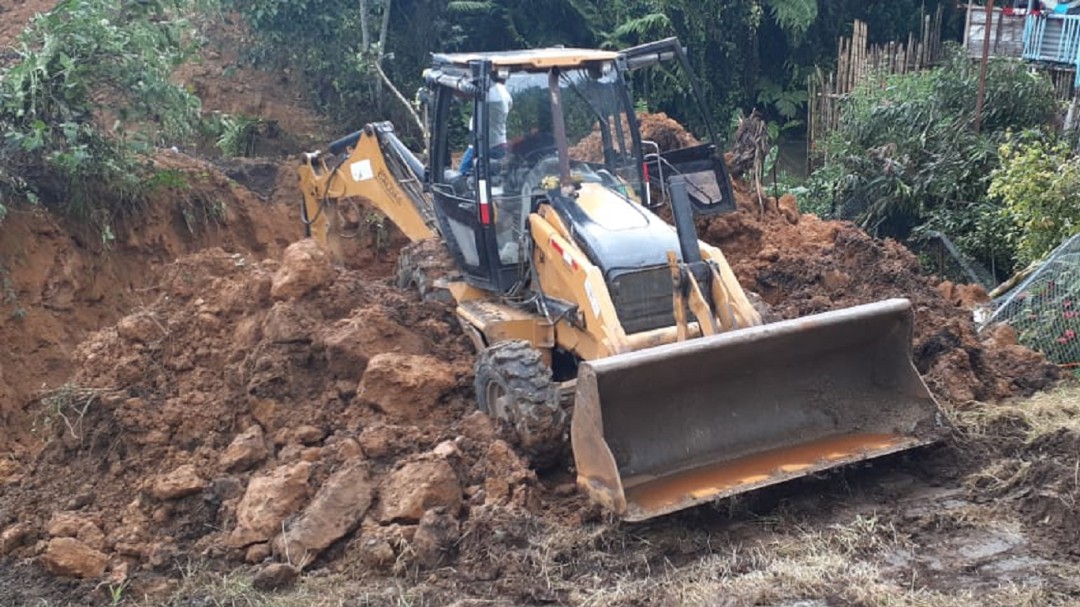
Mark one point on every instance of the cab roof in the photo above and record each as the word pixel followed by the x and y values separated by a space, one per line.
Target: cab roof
pixel 528 60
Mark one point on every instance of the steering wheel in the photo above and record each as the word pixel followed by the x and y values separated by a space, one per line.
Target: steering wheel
pixel 534 156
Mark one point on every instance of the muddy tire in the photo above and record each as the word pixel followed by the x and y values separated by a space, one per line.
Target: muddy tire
pixel 514 385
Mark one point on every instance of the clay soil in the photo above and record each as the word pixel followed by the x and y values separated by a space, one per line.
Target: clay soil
pixel 205 410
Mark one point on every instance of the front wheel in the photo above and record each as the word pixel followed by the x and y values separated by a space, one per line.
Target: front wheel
pixel 514 385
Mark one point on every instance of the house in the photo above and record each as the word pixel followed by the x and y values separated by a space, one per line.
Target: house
pixel 1046 33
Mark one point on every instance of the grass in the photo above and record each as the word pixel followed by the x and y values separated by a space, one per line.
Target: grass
pixel 1034 418
pixel 840 565
pixel 234 589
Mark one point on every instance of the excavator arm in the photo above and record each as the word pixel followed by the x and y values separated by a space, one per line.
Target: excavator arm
pixel 371 164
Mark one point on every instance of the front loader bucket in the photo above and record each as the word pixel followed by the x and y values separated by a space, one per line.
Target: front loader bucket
pixel 666 428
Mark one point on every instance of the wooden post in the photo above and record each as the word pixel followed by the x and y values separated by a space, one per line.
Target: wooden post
pixel 981 96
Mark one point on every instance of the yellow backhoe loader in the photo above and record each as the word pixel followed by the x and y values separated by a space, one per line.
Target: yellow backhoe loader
pixel 570 285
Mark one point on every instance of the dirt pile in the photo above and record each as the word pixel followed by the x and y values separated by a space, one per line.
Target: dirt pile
pixel 257 410
pixel 801 265
pixel 657 128
pixel 62 279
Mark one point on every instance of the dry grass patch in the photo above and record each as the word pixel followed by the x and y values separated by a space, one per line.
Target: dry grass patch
pixel 840 565
pixel 1039 416
pixel 206 588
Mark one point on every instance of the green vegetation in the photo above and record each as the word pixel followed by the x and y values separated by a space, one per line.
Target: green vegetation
pixel 744 53
pixel 1038 186
pixel 906 159
pixel 330 43
pixel 88 93
pixel 238 135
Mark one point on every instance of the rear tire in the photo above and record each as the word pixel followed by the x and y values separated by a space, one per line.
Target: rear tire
pixel 514 385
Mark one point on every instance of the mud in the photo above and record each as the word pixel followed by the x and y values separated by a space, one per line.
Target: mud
pixel 228 401
pixel 218 418
pixel 803 265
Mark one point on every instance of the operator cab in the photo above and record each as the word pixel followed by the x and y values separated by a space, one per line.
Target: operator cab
pixel 571 125
pixel 569 99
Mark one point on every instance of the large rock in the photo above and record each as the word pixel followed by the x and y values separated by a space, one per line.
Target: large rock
pixel 69 557
pixel 788 206
pixel 506 474
pixel 416 487
pixel 269 499
pixel 179 483
pixel 405 386
pixel 245 451
pixel 955 375
pixel 337 509
pixel 66 524
pixel 141 327
pixel 275 576
pixel 304 268
pixel 350 343
pixel 435 538
pixel 287 323
pixel 84 528
pixel 15 537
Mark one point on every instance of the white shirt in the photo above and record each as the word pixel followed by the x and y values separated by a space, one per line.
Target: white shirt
pixel 499 104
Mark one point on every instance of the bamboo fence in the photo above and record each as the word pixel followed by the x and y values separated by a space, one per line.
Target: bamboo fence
pixel 857 62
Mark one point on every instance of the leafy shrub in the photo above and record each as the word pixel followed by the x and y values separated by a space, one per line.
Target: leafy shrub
pixel 1039 185
pixel 1045 308
pixel 906 159
pixel 1046 318
pixel 238 135
pixel 89 89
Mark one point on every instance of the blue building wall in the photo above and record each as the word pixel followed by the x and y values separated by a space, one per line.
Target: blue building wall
pixel 1053 39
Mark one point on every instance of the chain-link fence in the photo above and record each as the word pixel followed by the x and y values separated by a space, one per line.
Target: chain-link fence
pixel 1045 308
pixel 938 255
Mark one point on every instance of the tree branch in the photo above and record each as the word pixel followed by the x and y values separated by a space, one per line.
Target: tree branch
pixel 404 101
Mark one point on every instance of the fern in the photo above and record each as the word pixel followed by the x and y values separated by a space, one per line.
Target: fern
pixel 633 31
pixel 794 16
pixel 239 135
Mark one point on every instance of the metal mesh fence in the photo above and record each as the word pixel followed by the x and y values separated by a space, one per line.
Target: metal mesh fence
pixel 938 255
pixel 1045 308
